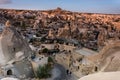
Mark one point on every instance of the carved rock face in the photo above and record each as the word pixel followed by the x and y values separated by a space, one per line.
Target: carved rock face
pixel 12 42
pixel 108 58
pixel 111 60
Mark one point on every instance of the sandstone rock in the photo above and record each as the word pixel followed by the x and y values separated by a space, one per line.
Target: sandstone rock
pixel 103 76
pixel 15 54
pixel 11 43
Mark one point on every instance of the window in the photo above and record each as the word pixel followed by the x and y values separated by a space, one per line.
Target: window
pixel 96 68
pixel 14 49
pixel 9 72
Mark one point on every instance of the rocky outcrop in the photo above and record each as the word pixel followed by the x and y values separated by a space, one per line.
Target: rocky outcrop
pixel 108 58
pixel 15 55
pixel 103 76
pixel 11 43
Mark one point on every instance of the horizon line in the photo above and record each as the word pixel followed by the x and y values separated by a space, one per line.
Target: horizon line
pixel 84 12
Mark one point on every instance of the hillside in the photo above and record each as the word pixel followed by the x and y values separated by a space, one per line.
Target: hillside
pixel 88 29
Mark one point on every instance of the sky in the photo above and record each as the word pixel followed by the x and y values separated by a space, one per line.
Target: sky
pixel 89 6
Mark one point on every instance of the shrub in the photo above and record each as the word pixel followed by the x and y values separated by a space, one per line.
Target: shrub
pixel 43 72
pixel 50 60
pixel 45 50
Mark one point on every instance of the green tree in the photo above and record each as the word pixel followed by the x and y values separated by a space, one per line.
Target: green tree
pixel 43 72
pixel 50 60
pixel 45 50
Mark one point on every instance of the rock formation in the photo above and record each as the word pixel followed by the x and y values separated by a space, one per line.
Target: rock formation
pixel 11 43
pixel 108 58
pixel 84 27
pixel 15 53
pixel 103 76
pixel 8 24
